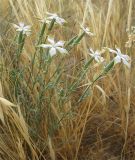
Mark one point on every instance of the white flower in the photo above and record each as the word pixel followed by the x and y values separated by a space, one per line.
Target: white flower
pixel 22 28
pixel 58 20
pixel 87 31
pixel 54 47
pixel 120 57
pixel 96 55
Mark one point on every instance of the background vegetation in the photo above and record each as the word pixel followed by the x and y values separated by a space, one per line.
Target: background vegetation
pixel 41 124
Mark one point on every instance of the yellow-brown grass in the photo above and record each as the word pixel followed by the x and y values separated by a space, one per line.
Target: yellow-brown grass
pixel 103 126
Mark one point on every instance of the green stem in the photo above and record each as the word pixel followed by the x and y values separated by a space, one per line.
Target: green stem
pixel 41 33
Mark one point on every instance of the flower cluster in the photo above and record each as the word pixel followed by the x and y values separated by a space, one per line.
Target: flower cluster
pixel 53 46
pixel 96 55
pixel 121 57
pixel 87 31
pixel 26 30
pixel 57 19
pixel 53 16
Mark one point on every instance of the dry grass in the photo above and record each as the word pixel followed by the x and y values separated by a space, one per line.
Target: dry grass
pixel 102 126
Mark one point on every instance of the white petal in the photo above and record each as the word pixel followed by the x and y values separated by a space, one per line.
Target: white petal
pixel 51 17
pixel 59 44
pixel 91 50
pixel 97 53
pixel 90 33
pixel 51 40
pixel 126 57
pixel 60 20
pixel 19 29
pixel 26 31
pixel 56 17
pixel 45 45
pixel 52 51
pixel 83 28
pixel 118 51
pixel 126 63
pixel 27 27
pixel 92 55
pixel 61 50
pixel 97 59
pixel 21 24
pixel 87 29
pixel 117 59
